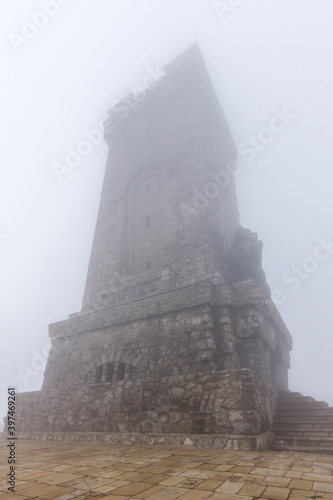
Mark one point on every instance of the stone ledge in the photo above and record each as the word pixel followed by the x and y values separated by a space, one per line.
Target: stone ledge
pixel 172 301
pixel 223 441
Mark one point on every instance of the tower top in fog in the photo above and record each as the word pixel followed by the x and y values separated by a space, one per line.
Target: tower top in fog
pixel 168 204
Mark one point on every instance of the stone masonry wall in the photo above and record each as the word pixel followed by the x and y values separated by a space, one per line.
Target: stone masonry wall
pixel 167 345
pixel 179 332
pixel 235 402
pixel 182 371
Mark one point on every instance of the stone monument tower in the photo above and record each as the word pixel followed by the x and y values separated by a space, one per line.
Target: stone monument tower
pixel 178 340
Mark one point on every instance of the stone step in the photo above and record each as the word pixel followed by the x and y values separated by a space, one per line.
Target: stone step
pixel 307 422
pixel 293 395
pixel 303 424
pixel 314 412
pixel 310 424
pixel 290 393
pixel 291 399
pixel 307 449
pixel 308 433
pixel 302 403
pixel 302 406
pixel 310 443
pixel 296 400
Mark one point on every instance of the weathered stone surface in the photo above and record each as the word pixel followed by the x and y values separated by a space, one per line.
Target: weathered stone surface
pixel 213 404
pixel 261 442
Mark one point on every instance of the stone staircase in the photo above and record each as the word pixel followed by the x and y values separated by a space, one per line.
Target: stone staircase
pixel 302 424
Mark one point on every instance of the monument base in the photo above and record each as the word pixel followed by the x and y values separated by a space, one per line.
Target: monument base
pixel 229 402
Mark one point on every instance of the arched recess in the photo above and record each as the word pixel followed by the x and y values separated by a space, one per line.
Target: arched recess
pixel 144 222
pixel 123 364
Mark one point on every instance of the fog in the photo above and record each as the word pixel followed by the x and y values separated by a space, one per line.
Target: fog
pixel 265 59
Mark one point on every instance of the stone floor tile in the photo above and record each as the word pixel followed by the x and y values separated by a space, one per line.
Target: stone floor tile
pixel 54 494
pixel 299 494
pixel 206 467
pixel 50 489
pixel 264 471
pixel 126 475
pixel 318 477
pixel 23 485
pixel 115 484
pixel 61 468
pixel 242 469
pixel 325 487
pixel 98 497
pixel 223 476
pixel 254 490
pixel 220 461
pixel 172 481
pixel 30 475
pixel 190 473
pixel 226 496
pixel 58 478
pixel 101 482
pixel 223 468
pixel 141 477
pixel 249 455
pixel 281 482
pixel 209 485
pixel 107 488
pixel 131 489
pixel 207 474
pixel 294 474
pixel 196 495
pixel 274 493
pixel 112 474
pixel 174 472
pixel 39 490
pixel 26 488
pixel 265 464
pixel 252 478
pixel 157 469
pixel 148 493
pixel 301 468
pixel 325 472
pixel 11 496
pixel 229 487
pixel 287 461
pixel 278 465
pixel 79 483
pixel 69 496
pixel 169 494
pixel 322 465
pixel 190 482
pixel 191 465
pixel 301 484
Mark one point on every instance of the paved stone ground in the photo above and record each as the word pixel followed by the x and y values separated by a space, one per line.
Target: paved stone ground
pixel 82 471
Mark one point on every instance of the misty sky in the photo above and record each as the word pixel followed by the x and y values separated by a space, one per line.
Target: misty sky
pixel 266 59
